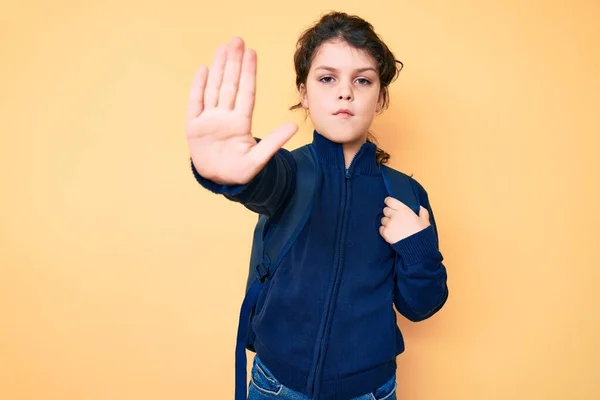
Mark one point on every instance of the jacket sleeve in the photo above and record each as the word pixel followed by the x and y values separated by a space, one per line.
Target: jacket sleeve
pixel 421 280
pixel 267 192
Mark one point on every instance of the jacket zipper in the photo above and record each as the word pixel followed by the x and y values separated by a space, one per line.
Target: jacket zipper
pixel 315 388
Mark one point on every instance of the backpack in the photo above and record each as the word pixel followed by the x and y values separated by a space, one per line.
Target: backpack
pixel 273 238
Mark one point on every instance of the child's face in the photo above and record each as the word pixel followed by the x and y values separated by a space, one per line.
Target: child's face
pixel 342 77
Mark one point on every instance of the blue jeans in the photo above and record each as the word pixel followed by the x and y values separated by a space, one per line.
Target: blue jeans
pixel 263 386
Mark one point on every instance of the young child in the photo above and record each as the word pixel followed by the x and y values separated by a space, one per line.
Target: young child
pixel 327 327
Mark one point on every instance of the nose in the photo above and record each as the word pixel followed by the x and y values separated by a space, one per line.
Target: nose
pixel 345 93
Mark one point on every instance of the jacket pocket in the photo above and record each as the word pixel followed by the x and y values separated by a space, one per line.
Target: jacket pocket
pixel 263 380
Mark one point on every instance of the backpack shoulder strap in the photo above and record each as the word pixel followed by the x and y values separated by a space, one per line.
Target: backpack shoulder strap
pixel 272 240
pixel 398 186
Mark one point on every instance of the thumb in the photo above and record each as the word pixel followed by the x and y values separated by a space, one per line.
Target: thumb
pixel 264 150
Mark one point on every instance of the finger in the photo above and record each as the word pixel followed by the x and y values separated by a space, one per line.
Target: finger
pixel 385 221
pixel 262 152
pixel 215 77
pixel 394 204
pixel 388 212
pixel 424 213
pixel 231 76
pixel 196 97
pixel 382 230
pixel 247 85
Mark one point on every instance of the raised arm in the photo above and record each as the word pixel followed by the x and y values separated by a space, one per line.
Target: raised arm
pixel 226 158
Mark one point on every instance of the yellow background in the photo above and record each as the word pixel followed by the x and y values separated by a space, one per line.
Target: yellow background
pixel 120 278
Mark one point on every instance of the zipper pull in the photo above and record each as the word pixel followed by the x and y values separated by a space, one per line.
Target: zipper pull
pixel 347 173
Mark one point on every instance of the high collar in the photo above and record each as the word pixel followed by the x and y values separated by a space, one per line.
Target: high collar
pixel 331 155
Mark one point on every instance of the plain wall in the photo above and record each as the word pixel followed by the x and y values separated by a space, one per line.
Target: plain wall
pixel 121 278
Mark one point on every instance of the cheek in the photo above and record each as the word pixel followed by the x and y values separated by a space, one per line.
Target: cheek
pixel 317 100
pixel 370 105
pixel 314 93
pixel 374 98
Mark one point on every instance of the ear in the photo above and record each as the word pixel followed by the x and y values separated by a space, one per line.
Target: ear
pixel 380 102
pixel 303 96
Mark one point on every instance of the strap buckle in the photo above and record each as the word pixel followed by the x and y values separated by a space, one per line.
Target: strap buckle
pixel 262 269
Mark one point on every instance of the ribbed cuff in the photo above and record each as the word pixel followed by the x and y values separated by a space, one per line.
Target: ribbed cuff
pixel 417 247
pixel 231 190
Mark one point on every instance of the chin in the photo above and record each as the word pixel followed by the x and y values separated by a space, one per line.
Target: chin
pixel 342 135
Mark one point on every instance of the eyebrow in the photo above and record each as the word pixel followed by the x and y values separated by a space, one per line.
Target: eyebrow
pixel 356 70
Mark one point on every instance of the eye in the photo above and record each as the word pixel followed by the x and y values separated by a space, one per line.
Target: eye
pixel 360 81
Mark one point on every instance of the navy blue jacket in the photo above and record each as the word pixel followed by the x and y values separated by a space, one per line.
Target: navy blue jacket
pixel 327 326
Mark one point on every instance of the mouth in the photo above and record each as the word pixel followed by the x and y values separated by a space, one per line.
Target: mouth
pixel 345 113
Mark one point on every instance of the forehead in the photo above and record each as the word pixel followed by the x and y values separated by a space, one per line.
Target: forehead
pixel 340 55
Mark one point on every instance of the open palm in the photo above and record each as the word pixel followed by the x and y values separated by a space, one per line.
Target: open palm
pixel 219 119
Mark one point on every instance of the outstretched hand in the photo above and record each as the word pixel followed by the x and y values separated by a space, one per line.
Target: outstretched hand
pixel 219 118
